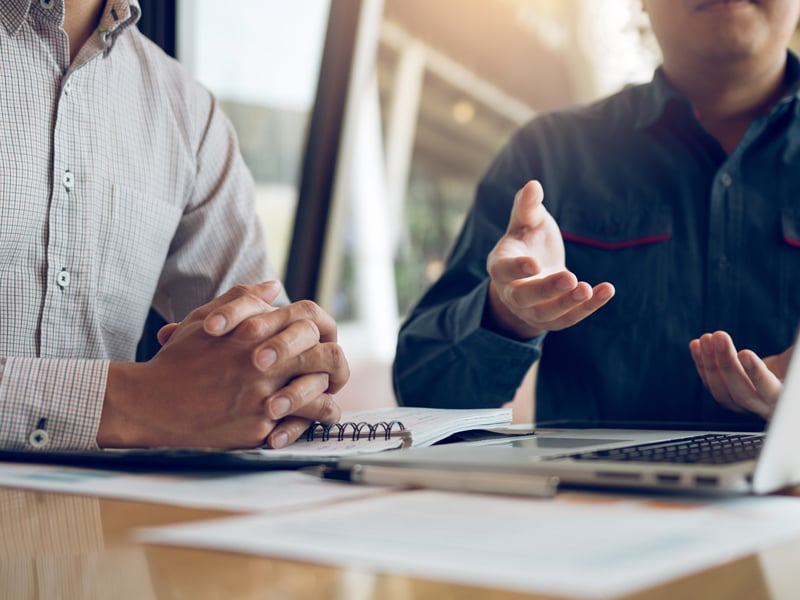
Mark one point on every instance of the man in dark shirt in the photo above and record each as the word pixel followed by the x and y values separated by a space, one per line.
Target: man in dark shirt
pixel 683 193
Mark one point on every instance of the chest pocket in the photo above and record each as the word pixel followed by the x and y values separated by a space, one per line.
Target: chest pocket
pixel 136 234
pixel 790 264
pixel 628 247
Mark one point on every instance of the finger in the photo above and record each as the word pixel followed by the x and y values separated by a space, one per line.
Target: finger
pixel 713 379
pixel 505 269
pixel 732 373
pixel 595 299
pixel 567 308
pixel 323 358
pixel 779 363
pixel 287 432
pixel 239 304
pixel 264 325
pixel 296 395
pixel 705 364
pixel 767 385
pixel 697 356
pixel 525 294
pixel 166 332
pixel 295 339
pixel 527 212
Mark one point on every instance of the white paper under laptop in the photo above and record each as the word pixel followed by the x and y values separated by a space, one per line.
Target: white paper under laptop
pixel 591 457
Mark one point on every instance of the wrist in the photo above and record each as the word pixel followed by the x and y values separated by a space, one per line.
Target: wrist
pixel 119 427
pixel 497 317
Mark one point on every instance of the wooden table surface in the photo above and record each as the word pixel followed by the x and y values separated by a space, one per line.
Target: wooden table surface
pixel 59 546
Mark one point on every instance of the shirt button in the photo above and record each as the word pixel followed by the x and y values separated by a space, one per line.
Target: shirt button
pixel 67 86
pixel 726 180
pixel 63 278
pixel 723 263
pixel 47 4
pixel 39 438
pixel 67 180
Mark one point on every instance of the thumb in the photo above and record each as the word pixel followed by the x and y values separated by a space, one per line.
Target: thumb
pixel 268 291
pixel 528 211
pixel 166 332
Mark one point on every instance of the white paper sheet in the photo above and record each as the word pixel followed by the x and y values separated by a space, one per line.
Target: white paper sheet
pixel 259 491
pixel 572 546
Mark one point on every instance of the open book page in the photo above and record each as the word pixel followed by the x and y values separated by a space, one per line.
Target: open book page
pixel 420 427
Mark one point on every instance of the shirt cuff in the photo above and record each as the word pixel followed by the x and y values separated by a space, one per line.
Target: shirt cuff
pixel 469 315
pixel 51 404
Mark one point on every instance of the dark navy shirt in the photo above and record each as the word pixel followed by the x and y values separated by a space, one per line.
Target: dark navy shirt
pixel 693 239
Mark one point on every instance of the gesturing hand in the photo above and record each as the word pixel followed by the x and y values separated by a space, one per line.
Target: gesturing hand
pixel 531 290
pixel 740 381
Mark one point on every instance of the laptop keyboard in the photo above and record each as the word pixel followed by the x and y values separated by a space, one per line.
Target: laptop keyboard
pixel 710 449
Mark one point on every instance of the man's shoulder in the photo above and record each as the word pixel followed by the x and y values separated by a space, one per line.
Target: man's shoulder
pixel 563 140
pixel 157 67
pixel 603 115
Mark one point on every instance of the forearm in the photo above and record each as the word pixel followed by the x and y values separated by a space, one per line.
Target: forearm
pixel 63 398
pixel 446 358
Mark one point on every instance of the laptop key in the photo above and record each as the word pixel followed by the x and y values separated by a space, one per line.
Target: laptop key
pixel 712 448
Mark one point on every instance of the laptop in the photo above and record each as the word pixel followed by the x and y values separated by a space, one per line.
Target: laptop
pixel 704 460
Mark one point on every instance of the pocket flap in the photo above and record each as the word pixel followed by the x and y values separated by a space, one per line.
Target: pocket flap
pixel 615 231
pixel 790 228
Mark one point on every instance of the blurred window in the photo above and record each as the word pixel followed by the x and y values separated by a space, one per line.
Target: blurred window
pixel 452 80
pixel 261 59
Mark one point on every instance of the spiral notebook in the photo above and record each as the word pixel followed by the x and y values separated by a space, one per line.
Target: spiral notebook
pixel 365 431
pixel 378 430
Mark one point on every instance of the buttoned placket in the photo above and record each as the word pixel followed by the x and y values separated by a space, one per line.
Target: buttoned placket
pixel 60 249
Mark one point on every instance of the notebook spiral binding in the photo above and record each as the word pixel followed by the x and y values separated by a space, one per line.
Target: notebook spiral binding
pixel 353 431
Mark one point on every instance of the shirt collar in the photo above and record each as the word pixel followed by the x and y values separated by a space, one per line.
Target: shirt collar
pixel 117 16
pixel 13 13
pixel 660 94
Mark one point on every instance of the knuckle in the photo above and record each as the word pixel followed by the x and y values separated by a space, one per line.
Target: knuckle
pixel 329 410
pixel 240 290
pixel 278 345
pixel 308 308
pixel 198 314
pixel 311 328
pixel 254 328
pixel 337 358
pixel 313 312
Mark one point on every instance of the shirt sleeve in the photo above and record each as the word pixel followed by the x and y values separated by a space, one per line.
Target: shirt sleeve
pixel 446 355
pixel 219 242
pixel 51 404
pixel 447 359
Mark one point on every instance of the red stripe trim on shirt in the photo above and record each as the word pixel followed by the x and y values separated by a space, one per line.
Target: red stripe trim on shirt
pixel 568 237
pixel 791 241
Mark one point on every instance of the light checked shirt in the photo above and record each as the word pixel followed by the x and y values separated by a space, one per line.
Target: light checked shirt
pixel 121 188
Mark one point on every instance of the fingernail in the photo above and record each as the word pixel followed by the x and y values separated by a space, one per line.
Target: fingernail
pixel 266 358
pixel 564 284
pixel 279 407
pixel 581 294
pixel 279 440
pixel 216 323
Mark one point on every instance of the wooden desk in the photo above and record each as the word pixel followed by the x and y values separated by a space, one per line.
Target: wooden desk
pixel 58 546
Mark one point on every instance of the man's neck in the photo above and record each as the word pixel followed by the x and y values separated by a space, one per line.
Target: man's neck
pixel 729 98
pixel 81 18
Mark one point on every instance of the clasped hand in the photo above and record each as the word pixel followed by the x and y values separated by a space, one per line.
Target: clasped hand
pixel 236 373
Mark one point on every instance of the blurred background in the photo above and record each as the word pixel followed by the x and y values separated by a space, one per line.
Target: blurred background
pixel 434 90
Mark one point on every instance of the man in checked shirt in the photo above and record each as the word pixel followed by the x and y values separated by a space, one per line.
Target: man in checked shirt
pixel 122 188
